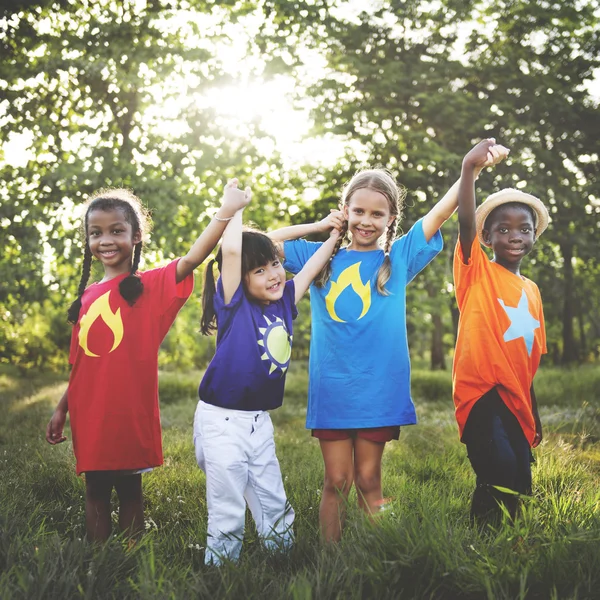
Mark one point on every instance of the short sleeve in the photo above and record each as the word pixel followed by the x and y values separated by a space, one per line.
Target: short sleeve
pixel 162 285
pixel 466 273
pixel 297 253
pixel 542 322
pixel 225 312
pixel 289 297
pixel 414 251
pixel 167 296
pixel 219 299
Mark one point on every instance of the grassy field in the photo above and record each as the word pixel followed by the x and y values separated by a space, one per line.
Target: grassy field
pixel 421 547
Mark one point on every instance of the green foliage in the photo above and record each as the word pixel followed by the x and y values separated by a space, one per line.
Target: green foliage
pixel 416 83
pixel 112 94
pixel 85 82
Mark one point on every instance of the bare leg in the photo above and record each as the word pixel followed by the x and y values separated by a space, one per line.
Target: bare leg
pixel 338 459
pixel 367 474
pixel 98 487
pixel 131 503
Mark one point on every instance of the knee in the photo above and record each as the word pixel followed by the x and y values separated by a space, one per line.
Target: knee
pixel 98 487
pixel 129 489
pixel 505 467
pixel 337 482
pixel 226 522
pixel 368 481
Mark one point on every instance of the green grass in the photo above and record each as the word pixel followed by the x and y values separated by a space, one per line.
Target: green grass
pixel 421 547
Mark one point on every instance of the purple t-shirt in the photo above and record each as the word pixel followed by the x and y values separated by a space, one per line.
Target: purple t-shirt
pixel 254 344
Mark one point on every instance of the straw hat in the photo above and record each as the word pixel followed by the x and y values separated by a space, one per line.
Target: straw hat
pixel 511 195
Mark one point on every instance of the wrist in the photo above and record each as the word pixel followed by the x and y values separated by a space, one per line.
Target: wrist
pixel 470 171
pixel 224 214
pixel 470 167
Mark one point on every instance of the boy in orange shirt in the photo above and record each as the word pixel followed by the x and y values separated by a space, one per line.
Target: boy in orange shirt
pixel 500 340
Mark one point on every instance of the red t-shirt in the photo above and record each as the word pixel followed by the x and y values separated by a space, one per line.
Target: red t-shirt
pixel 501 337
pixel 113 388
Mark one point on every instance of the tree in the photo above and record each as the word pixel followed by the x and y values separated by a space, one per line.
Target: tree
pixel 84 81
pixel 530 68
pixel 416 82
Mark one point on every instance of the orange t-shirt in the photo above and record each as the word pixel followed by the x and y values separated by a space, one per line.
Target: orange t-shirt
pixel 501 337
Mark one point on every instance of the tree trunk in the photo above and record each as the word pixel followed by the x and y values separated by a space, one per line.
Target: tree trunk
pixel 569 354
pixel 582 339
pixel 438 360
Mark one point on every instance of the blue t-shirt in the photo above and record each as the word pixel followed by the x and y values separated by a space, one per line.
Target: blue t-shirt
pixel 359 362
pixel 254 344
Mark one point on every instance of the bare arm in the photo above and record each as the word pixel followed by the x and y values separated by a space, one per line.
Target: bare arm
pixel 484 154
pixel 231 248
pixel 441 212
pixel 233 199
pixel 474 162
pixel 333 220
pixel 445 208
pixel 314 265
pixel 536 418
pixel 54 430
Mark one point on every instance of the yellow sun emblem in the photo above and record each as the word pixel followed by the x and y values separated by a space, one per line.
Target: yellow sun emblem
pixel 277 343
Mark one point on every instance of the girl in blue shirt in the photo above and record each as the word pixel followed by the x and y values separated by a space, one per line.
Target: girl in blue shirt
pixel 359 384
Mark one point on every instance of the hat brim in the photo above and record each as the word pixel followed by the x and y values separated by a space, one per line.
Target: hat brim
pixel 511 195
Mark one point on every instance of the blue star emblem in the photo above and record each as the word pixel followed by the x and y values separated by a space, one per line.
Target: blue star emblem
pixel 522 324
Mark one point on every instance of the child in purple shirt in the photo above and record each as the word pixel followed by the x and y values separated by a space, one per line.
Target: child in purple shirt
pixel 252 308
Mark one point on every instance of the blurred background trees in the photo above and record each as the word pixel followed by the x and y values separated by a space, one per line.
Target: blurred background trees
pixel 171 98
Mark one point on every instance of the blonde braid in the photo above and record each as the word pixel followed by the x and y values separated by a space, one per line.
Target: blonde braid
pixel 385 270
pixel 323 277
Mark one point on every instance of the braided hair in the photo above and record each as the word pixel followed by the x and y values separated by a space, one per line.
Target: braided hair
pixel 323 277
pixel 257 250
pixel 135 214
pixel 378 180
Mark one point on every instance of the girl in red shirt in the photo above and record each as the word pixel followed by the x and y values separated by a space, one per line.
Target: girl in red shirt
pixel 119 323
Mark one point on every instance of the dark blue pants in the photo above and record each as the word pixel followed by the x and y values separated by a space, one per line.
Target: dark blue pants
pixel 500 456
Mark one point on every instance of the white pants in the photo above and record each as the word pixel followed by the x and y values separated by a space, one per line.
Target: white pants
pixel 236 450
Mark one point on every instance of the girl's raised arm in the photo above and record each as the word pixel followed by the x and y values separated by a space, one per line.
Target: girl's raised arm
pixel 444 209
pixel 233 200
pixel 314 265
pixel 231 248
pixel 334 220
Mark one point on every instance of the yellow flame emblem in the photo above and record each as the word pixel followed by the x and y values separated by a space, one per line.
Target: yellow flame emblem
pixel 100 309
pixel 349 277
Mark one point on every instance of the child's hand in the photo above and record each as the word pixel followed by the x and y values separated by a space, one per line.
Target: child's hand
pixel 335 233
pixel 233 198
pixel 54 431
pixel 485 154
pixel 333 221
pixel 538 433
